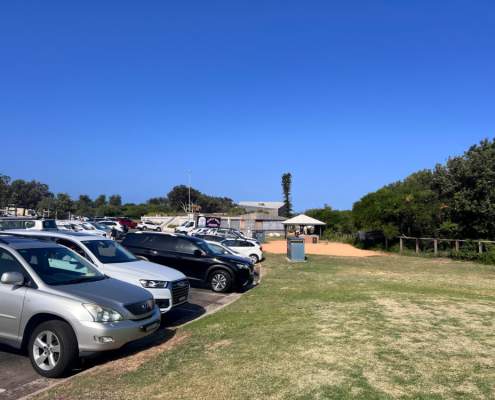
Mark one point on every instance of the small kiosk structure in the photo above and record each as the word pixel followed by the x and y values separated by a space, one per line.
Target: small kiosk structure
pixel 304 226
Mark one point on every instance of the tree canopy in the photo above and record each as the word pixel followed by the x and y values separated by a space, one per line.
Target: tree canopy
pixel 454 200
pixel 37 196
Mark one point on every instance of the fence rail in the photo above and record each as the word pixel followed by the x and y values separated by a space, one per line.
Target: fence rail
pixel 481 244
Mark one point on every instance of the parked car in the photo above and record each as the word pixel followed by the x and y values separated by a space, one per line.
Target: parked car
pixel 27 223
pixel 246 248
pixel 226 233
pixel 168 286
pixel 185 227
pixel 219 248
pixel 210 238
pixel 127 222
pixel 193 257
pixel 198 231
pixel 112 224
pixel 105 228
pixel 58 306
pixel 149 226
pixel 79 226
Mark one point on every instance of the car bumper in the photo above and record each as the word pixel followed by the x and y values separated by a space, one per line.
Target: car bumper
pixel 96 337
pixel 163 299
pixel 166 299
pixel 245 278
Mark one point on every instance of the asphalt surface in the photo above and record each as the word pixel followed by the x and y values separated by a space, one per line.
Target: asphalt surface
pixel 18 379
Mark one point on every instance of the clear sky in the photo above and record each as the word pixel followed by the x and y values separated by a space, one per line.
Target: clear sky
pixel 126 96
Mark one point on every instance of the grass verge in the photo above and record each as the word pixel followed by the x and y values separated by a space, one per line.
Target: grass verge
pixel 331 328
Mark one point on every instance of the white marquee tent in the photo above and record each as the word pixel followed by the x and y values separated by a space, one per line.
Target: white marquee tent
pixel 302 220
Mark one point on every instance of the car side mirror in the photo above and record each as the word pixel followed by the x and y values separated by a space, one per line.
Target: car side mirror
pixel 12 278
pixel 198 253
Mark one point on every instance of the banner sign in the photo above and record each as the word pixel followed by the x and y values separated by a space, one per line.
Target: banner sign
pixel 208 222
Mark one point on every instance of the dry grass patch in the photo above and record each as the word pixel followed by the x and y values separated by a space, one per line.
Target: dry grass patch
pixel 331 328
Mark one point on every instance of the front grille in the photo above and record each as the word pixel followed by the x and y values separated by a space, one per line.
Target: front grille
pixel 180 292
pixel 141 308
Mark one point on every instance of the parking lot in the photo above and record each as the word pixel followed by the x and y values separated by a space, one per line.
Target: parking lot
pixel 18 379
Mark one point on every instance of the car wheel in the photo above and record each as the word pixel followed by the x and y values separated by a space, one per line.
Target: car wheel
pixel 158 229
pixel 53 349
pixel 254 258
pixel 144 228
pixel 220 281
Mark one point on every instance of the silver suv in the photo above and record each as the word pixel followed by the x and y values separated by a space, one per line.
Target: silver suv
pixel 58 306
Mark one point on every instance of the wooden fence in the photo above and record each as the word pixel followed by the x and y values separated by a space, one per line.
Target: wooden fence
pixel 454 244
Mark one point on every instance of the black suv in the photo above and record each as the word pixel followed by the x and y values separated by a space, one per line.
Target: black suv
pixel 194 258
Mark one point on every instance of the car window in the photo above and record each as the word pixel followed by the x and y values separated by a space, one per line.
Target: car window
pixel 185 246
pixel 9 264
pixel 73 246
pixel 49 224
pixel 230 243
pixel 29 224
pixel 109 252
pixel 60 266
pixel 161 242
pixel 135 240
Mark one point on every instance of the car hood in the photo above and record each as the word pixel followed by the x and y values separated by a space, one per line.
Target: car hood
pixel 108 292
pixel 233 259
pixel 144 270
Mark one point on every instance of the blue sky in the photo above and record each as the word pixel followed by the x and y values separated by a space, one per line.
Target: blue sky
pixel 126 96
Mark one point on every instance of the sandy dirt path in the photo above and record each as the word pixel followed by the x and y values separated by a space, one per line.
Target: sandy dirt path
pixel 322 248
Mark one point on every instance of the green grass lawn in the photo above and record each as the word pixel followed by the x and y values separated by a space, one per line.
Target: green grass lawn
pixel 331 328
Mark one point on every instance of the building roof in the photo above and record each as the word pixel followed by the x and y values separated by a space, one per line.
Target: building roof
pixel 262 204
pixel 302 219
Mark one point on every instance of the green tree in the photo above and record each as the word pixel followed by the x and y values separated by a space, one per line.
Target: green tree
pixel 4 190
pixel 115 200
pixel 27 194
pixel 84 206
pixel 100 201
pixel 64 206
pixel 286 190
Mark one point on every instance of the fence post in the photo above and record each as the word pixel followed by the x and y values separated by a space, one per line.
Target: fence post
pixel 480 247
pixel 435 246
pixel 417 246
pixel 457 246
pixel 401 245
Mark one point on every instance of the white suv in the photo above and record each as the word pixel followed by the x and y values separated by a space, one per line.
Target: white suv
pixel 245 248
pixel 168 286
pixel 149 226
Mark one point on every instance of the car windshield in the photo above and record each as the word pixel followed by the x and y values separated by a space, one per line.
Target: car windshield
pixel 60 266
pixel 217 249
pixel 109 252
pixel 100 226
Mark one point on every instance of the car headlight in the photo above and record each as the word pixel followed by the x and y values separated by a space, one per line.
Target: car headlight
pixel 152 284
pixel 103 314
pixel 242 266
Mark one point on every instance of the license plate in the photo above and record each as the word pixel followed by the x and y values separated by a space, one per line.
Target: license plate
pixel 150 327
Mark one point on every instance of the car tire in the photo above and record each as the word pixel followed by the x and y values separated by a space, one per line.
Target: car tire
pixel 144 228
pixel 220 281
pixel 254 258
pixel 158 229
pixel 45 340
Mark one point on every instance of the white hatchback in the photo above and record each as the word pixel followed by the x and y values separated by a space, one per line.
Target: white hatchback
pixel 168 286
pixel 245 248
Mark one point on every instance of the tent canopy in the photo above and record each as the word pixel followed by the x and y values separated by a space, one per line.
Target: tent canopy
pixel 302 219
